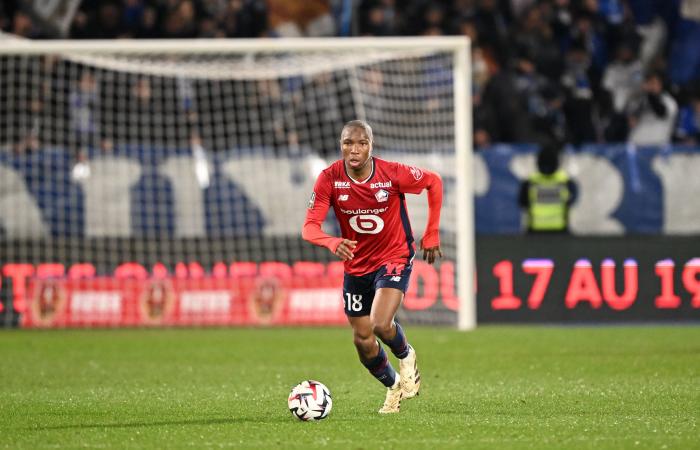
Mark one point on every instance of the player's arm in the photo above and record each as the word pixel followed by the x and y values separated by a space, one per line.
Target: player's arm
pixel 316 214
pixel 413 180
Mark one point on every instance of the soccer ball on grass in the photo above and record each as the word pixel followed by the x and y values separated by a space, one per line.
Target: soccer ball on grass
pixel 310 400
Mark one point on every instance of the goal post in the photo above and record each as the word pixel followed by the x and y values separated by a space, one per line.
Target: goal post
pixel 466 316
pixel 191 159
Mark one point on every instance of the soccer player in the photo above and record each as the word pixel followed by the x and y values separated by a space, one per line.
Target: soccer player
pixel 377 246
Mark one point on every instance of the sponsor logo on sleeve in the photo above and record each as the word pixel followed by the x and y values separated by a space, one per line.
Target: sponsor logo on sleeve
pixel 312 200
pixel 416 172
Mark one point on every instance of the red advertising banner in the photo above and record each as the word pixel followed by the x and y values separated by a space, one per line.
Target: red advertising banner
pixel 115 302
pixel 556 279
pixel 271 293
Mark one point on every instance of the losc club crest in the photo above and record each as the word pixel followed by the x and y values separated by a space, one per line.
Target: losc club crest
pixel 265 301
pixel 157 301
pixel 381 196
pixel 49 301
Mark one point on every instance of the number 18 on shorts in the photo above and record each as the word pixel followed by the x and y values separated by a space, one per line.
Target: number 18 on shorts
pixel 358 292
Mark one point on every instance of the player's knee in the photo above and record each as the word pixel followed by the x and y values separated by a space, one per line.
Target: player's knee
pixel 364 344
pixel 382 328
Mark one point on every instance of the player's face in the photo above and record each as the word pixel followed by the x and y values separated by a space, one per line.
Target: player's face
pixel 356 148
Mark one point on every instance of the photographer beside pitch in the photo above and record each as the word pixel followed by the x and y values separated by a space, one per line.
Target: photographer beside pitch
pixel 377 246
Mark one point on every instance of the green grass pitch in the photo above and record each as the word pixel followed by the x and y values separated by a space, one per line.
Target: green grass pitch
pixel 498 387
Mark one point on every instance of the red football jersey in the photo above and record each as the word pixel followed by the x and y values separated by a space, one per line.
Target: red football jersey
pixel 373 212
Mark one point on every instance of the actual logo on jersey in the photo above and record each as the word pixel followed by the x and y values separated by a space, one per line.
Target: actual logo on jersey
pixel 416 172
pixel 342 185
pixel 380 184
pixel 312 200
pixel 344 197
pixel 382 195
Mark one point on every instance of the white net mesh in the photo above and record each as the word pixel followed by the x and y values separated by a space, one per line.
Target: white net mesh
pixel 197 168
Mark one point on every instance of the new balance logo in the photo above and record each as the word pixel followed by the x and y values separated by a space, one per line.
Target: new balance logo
pixel 397 279
pixel 342 198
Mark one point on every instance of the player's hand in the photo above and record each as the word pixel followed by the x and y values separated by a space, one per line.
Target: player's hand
pixel 345 249
pixel 431 254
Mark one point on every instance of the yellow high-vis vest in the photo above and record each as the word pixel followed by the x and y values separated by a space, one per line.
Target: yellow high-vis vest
pixel 549 196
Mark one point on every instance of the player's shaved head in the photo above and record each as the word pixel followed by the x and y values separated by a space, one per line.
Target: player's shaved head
pixel 359 124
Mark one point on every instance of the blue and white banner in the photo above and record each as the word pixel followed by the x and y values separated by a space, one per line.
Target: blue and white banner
pixel 622 189
pixel 140 193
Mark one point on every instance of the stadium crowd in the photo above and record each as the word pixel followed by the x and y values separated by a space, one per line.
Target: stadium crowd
pixel 578 71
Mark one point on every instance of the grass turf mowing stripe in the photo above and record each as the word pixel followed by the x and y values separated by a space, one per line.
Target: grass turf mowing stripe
pixel 496 387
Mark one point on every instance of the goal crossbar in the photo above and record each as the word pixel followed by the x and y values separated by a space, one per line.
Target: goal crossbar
pixel 203 46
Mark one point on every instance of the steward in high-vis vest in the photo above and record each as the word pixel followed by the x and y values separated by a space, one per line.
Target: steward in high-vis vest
pixel 547 195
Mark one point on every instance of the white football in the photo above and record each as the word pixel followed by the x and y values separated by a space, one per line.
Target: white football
pixel 310 400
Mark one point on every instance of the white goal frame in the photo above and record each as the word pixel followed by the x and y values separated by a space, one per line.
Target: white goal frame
pixel 458 46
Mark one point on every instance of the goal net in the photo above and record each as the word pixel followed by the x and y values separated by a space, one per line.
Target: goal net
pixel 166 182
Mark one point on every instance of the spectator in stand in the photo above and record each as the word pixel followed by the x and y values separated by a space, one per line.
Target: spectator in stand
pixel 325 112
pixel 561 21
pixel 492 25
pixel 132 15
pixel 147 27
pixel 180 20
pixel 434 22
pixel 579 101
pixel 292 18
pixel 146 119
pixel 688 131
pixel 377 18
pixel 100 21
pixel 685 46
pixel 549 124
pixel 652 113
pixel 7 13
pixel 535 37
pixel 622 79
pixel 502 115
pixel 24 26
pixel 483 65
pixel 624 76
pixel 244 19
pixel 531 87
pixel 83 102
pixel 30 127
pixel 590 31
pixel 566 77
